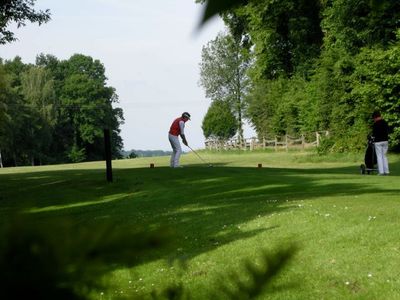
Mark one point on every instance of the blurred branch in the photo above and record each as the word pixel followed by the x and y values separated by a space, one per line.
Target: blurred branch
pixel 56 260
pixel 215 7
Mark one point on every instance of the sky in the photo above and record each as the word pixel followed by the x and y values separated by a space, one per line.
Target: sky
pixel 150 49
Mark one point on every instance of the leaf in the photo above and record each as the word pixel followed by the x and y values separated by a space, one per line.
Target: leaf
pixel 214 7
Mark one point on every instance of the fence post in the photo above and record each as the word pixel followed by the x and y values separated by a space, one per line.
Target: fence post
pixel 317 135
pixel 286 142
pixel 264 145
pixel 302 141
pixel 252 143
pixel 276 143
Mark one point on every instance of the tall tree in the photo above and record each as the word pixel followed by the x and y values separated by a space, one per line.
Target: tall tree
pixel 18 12
pixel 13 139
pixel 38 91
pixel 86 106
pixel 5 118
pixel 223 74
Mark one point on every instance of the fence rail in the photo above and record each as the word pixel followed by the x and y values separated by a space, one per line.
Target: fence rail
pixel 278 142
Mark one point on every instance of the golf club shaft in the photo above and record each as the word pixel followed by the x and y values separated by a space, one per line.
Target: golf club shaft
pixel 197 154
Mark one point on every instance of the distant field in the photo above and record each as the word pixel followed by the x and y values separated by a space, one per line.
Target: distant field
pixel 345 225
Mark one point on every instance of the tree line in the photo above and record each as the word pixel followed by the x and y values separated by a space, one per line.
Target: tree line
pixel 304 66
pixel 54 111
pixel 144 153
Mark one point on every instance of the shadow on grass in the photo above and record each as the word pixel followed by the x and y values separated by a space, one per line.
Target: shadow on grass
pixel 205 205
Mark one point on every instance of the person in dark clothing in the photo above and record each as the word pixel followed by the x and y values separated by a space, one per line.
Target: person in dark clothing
pixel 380 132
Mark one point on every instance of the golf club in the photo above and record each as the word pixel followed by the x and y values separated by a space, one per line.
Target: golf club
pixel 210 165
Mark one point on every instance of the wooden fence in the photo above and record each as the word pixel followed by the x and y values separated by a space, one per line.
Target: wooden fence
pixel 278 143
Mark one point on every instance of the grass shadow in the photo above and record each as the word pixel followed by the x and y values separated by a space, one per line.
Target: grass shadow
pixel 205 205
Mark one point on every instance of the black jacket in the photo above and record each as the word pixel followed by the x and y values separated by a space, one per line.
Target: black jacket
pixel 380 131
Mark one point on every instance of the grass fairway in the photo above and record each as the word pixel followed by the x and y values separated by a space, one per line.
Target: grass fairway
pixel 346 225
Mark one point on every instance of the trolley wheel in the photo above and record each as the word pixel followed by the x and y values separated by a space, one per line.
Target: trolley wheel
pixel 362 169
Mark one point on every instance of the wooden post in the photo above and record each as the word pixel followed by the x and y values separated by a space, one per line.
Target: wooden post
pixel 107 145
pixel 317 135
pixel 287 142
pixel 264 143
pixel 276 143
pixel 303 142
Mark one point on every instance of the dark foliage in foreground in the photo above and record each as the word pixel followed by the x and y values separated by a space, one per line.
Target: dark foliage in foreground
pixel 59 260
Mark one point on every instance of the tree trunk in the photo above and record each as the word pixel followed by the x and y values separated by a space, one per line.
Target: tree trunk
pixel 240 125
pixel 239 107
pixel 239 96
pixel 1 161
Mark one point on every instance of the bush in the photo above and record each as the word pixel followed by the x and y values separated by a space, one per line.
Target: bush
pixel 219 122
pixel 325 146
pixel 76 155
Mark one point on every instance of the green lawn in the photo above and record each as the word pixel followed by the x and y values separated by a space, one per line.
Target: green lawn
pixel 345 225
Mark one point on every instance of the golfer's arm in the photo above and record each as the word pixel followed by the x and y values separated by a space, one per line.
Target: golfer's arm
pixel 182 127
pixel 183 138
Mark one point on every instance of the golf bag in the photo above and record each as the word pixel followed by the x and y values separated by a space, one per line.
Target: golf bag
pixel 370 159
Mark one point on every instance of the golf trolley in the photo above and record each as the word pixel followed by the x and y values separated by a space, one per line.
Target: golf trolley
pixel 370 159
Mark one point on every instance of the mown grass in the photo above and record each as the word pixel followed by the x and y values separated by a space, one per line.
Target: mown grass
pixel 345 225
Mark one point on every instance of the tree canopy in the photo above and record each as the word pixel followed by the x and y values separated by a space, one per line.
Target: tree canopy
pixel 219 122
pixel 223 74
pixel 19 12
pixel 56 110
pixel 319 65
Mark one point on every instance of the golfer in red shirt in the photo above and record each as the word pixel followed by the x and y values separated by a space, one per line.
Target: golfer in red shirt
pixel 177 129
